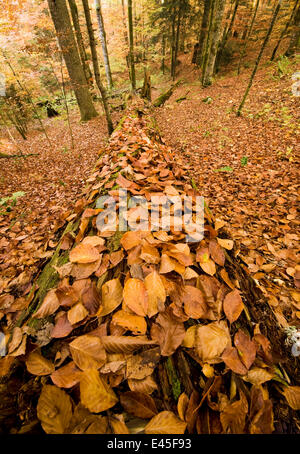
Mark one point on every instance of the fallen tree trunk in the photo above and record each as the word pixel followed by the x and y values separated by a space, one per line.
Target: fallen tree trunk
pixel 163 98
pixel 141 331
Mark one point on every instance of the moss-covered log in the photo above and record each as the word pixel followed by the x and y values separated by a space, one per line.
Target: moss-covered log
pixel 195 337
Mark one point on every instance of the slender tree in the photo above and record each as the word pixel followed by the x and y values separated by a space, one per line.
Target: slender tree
pixel 294 45
pixel 203 32
pixel 102 35
pixel 275 14
pixel 80 42
pixel 208 40
pixel 243 53
pixel 131 46
pixel 179 14
pixel 227 33
pixel 62 23
pixel 100 86
pixel 215 39
pixel 284 31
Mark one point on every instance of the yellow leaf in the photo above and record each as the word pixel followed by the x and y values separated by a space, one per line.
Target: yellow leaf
pixel 166 422
pixel 95 393
pixel 112 295
pixel 88 352
pixel 134 323
pixel 226 244
pixel 156 293
pixel 38 365
pixel 54 410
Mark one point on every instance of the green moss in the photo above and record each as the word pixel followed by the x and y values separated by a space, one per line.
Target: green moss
pixel 173 378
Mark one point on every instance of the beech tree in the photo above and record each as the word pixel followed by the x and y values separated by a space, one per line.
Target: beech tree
pixel 62 23
pixel 102 36
pixel 96 65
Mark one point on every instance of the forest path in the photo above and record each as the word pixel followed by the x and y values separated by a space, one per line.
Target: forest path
pixel 257 194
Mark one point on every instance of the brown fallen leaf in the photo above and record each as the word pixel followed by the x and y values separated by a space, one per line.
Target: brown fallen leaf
pixel 38 365
pixel 77 313
pixel 66 376
pixel 211 341
pixel 125 344
pixel 95 393
pixel 142 365
pixel 166 422
pixel 54 410
pixel 226 244
pixel 182 405
pixel 84 253
pixel 132 322
pixel 88 352
pixel 246 348
pixel 156 293
pixel 168 331
pixel 138 404
pixel 233 417
pixel 135 297
pixel 292 395
pixel 232 360
pixel 146 385
pixel 194 304
pixel 49 305
pixel 112 295
pixel 233 305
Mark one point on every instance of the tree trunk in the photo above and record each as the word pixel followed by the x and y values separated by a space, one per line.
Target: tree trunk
pixel 80 43
pixel 248 36
pixel 294 46
pixel 284 31
pixel 96 65
pixel 203 33
pixel 259 57
pixel 103 41
pixel 173 39
pixel 131 46
pixel 177 39
pixel 208 39
pixel 215 39
pixel 226 34
pixel 62 24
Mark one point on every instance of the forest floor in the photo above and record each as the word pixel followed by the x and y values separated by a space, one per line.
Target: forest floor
pixel 255 195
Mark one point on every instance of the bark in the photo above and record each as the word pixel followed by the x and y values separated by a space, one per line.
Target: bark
pixel 131 46
pixel 294 45
pixel 160 101
pixel 62 24
pixel 173 39
pixel 204 31
pixel 215 39
pixel 259 57
pixel 227 34
pixel 208 39
pixel 80 42
pixel 96 65
pixel 146 90
pixel 177 39
pixel 102 35
pixel 243 53
pixel 284 31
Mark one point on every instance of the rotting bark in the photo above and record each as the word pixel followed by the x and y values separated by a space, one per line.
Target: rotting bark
pixel 177 373
pixel 163 98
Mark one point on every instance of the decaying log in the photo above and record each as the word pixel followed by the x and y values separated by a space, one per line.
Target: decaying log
pixel 163 98
pixel 178 373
